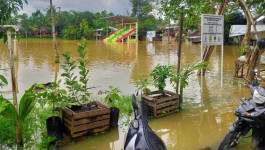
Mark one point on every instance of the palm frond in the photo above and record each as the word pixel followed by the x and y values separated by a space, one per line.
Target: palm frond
pixel 26 104
pixel 9 112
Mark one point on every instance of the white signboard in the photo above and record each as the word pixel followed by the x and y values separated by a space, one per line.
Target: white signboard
pixel 212 32
pixel 151 34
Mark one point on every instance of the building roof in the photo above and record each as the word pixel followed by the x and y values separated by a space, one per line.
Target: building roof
pixel 99 29
pixel 120 19
pixel 237 30
pixel 260 20
pixel 160 27
pixel 172 27
pixel 195 33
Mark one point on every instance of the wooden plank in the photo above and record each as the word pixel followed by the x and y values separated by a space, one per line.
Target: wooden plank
pixel 162 105
pixel 168 113
pixel 68 111
pixel 96 130
pixel 157 92
pixel 91 119
pixel 148 98
pixel 91 125
pixel 167 109
pixel 67 130
pixel 67 120
pixel 92 113
pixel 66 116
pixel 149 103
pixel 67 125
pixel 102 104
pixel 169 92
pixel 162 100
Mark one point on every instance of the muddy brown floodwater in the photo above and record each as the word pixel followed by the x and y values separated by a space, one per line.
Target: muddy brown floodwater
pixel 205 116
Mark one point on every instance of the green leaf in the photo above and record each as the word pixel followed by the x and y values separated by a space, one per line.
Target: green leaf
pixel 63 92
pixel 40 86
pixel 9 112
pixel 26 104
pixel 3 79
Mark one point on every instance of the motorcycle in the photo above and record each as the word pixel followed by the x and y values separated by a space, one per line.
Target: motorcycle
pixel 140 136
pixel 250 116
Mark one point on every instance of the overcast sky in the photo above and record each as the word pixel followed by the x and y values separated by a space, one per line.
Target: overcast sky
pixel 121 7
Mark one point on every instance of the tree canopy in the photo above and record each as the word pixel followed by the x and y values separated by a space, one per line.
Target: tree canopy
pixel 8 8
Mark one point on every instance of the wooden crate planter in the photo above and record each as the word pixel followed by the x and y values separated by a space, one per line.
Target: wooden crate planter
pixel 160 106
pixel 88 122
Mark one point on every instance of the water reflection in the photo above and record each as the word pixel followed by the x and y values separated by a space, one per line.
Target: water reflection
pixel 205 117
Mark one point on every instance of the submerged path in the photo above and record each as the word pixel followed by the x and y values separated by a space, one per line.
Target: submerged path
pixel 205 117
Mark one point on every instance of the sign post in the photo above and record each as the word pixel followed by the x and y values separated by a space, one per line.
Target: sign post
pixel 212 33
pixel 150 35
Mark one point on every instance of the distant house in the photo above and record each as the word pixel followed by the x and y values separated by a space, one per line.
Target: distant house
pixel 161 27
pixel 42 32
pixel 168 30
pixel 237 32
pixel 98 32
pixel 195 36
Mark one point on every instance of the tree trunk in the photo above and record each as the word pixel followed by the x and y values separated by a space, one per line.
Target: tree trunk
pixel 253 56
pixel 179 46
pixel 208 50
pixel 19 132
pixel 252 63
pixel 53 34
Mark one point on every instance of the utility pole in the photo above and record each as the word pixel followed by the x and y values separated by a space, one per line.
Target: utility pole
pixel 53 34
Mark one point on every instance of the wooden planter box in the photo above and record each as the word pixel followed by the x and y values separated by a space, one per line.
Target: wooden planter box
pixel 161 106
pixel 88 122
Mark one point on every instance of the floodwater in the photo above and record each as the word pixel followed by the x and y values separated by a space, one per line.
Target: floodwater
pixel 205 116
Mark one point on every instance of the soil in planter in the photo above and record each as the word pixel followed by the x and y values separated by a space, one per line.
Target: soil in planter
pixel 84 108
pixel 158 96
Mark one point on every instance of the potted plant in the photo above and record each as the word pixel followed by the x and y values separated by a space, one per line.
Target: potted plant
pixel 113 99
pixel 81 116
pixel 50 92
pixel 160 102
pixel 160 74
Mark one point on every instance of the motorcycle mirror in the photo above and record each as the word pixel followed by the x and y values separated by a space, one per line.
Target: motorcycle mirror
pixel 135 106
pixel 252 72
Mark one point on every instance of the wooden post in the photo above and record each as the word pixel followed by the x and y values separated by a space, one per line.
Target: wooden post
pixel 179 48
pixel 168 30
pixel 14 86
pixel 53 34
pixel 122 27
pixel 12 66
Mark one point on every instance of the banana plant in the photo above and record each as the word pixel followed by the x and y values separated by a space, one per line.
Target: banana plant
pixel 26 104
pixel 183 76
pixel 3 82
